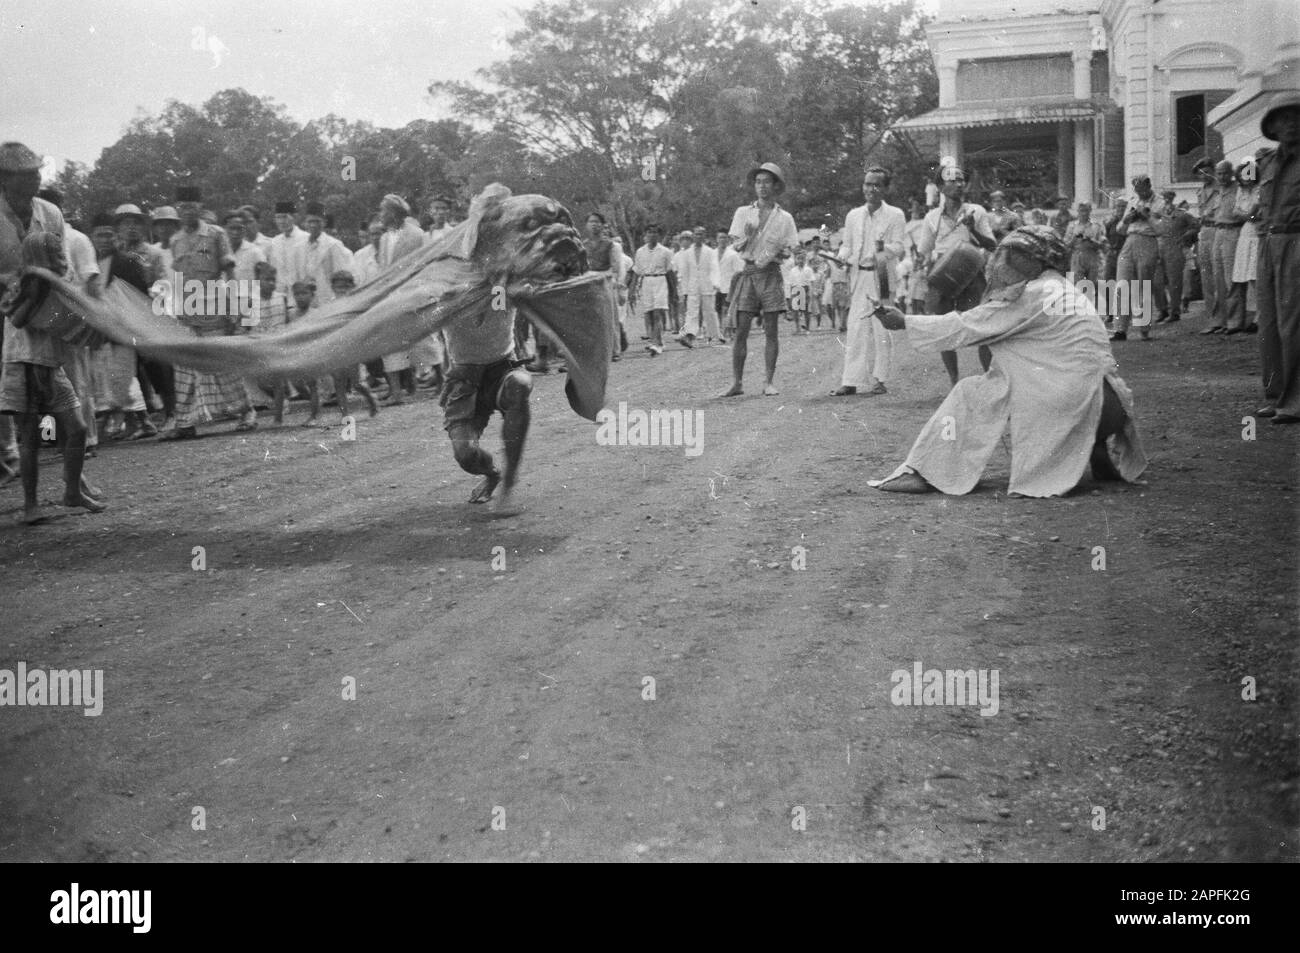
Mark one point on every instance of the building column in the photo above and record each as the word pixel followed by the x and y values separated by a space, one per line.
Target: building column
pixel 947 84
pixel 1082 74
pixel 1064 159
pixel 1085 180
pixel 950 143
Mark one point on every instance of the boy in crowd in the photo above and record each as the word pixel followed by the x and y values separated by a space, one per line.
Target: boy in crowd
pixel 798 288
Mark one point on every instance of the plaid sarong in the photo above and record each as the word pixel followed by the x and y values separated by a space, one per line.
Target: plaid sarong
pixel 204 395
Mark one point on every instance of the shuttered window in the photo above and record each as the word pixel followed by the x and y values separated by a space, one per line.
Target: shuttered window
pixel 1190 137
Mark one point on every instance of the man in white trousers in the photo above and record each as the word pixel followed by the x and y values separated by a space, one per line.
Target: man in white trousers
pixel 872 246
pixel 697 279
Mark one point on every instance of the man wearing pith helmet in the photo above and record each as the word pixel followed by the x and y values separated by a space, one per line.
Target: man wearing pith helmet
pixel 763 234
pixel 1278 287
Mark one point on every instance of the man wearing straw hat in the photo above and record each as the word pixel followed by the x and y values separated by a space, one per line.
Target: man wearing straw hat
pixel 763 234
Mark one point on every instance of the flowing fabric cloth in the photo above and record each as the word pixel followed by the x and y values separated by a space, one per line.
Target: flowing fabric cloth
pixel 415 297
pixel 1051 360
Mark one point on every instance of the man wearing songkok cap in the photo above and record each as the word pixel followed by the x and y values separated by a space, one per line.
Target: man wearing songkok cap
pixel 763 233
pixel 283 255
pixel 1052 378
pixel 201 252
pixel 32 380
pixel 1278 277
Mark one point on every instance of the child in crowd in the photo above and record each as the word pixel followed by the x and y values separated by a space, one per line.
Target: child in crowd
pixel 818 289
pixel 798 288
pixel 304 299
pixel 342 284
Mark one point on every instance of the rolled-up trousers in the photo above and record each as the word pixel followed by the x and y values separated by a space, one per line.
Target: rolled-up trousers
pixel 1278 293
pixel 869 352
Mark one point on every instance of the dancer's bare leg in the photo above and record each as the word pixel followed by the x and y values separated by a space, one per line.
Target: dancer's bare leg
pixel 513 400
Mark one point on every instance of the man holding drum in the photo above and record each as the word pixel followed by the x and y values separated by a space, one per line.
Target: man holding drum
pixel 954 241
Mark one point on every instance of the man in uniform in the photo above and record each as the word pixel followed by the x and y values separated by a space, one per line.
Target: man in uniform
pixel 1278 282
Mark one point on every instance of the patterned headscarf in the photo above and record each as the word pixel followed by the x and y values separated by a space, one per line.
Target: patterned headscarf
pixel 1040 242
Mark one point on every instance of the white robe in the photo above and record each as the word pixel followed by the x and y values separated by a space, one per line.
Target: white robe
pixel 1050 359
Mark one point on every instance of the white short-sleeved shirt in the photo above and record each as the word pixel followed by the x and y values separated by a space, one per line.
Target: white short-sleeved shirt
pixel 778 235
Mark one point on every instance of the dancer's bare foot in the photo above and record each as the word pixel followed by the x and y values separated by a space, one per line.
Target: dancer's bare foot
pixel 483 492
pixel 770 391
pixel 736 390
pixel 85 502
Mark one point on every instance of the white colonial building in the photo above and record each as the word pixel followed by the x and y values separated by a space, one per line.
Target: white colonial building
pixel 1078 96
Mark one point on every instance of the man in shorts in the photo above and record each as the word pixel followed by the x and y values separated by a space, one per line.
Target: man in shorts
pixel 484 378
pixel 763 234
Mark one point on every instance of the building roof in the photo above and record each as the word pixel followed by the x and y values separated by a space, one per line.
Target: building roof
pixel 968 116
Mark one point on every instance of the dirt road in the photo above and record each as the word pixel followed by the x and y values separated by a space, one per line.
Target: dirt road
pixel 501 711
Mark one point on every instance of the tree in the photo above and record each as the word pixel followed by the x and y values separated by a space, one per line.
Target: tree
pixel 696 92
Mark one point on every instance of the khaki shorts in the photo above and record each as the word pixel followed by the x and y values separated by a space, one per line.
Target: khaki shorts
pixel 36 389
pixel 760 290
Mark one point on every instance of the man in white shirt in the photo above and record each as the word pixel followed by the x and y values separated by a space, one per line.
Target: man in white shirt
pixel 253 228
pixel 32 382
pixel 283 255
pixel 247 257
pixel 763 234
pixel 872 246
pixel 955 223
pixel 84 271
pixel 321 255
pixel 730 264
pixel 697 279
pixel 440 213
pixel 365 263
pixel 164 223
pixel 651 263
pixel 402 237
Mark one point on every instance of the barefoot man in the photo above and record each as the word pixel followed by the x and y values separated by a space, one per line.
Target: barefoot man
pixel 32 381
pixel 484 377
pixel 763 233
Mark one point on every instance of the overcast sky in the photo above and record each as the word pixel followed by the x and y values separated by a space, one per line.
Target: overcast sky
pixel 75 72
